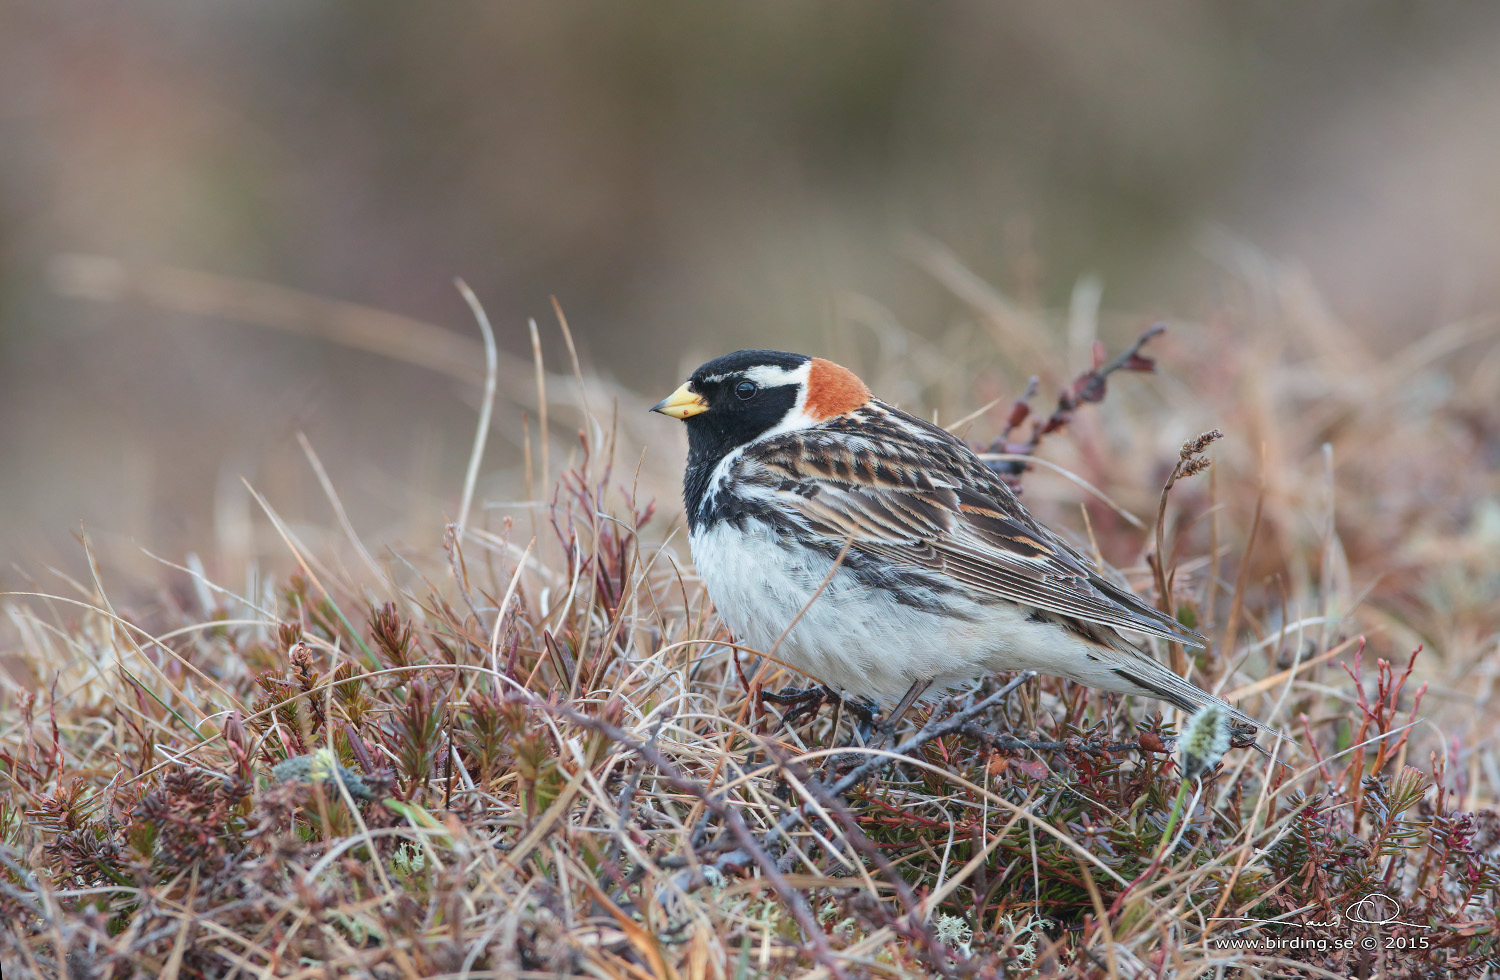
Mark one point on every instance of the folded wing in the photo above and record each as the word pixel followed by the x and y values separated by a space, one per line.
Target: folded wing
pixel 945 512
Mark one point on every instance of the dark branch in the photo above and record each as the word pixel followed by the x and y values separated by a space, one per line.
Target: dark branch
pixel 1090 386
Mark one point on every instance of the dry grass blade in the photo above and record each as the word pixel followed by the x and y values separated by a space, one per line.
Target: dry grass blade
pixel 486 406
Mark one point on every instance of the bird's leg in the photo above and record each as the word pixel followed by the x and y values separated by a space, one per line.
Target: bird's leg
pixel 907 700
pixel 888 725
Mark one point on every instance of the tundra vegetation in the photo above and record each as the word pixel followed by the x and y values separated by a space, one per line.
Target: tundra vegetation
pixel 528 748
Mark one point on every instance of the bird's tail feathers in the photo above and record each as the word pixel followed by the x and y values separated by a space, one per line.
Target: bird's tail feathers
pixel 1157 681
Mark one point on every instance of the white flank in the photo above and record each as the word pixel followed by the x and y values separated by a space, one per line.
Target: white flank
pixel 860 640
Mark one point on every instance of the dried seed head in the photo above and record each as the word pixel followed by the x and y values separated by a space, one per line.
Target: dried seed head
pixel 1193 447
pixel 1193 467
pixel 1204 741
pixel 300 656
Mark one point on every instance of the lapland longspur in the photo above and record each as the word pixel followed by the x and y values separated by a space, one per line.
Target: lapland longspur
pixel 912 566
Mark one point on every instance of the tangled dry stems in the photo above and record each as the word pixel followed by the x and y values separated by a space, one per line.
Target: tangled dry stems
pixel 539 754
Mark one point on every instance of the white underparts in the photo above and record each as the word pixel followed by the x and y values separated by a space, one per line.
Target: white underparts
pixel 860 639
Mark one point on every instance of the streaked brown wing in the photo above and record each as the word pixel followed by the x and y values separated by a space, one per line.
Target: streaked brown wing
pixel 943 511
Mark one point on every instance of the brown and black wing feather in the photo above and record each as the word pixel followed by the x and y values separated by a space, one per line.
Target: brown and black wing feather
pixel 908 492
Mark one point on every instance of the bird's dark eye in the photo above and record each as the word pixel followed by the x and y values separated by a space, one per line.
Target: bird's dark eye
pixel 746 390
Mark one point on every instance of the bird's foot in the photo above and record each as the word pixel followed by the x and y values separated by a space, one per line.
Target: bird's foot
pixel 806 702
pixel 803 703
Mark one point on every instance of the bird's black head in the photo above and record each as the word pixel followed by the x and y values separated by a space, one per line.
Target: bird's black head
pixel 748 395
pixel 736 398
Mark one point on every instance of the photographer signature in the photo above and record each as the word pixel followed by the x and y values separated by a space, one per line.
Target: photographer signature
pixel 1372 910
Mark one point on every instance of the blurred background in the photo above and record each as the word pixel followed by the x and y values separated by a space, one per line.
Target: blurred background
pixel 852 179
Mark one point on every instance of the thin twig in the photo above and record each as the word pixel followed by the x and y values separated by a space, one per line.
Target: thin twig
pixel 1190 461
pixel 1090 386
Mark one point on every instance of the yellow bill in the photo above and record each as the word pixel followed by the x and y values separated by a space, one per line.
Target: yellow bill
pixel 681 404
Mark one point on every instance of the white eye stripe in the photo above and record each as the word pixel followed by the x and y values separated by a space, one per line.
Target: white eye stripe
pixel 771 376
pixel 765 375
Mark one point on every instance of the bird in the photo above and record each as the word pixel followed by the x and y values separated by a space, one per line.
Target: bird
pixel 876 552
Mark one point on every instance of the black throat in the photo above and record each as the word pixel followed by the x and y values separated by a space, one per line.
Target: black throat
pixel 714 435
